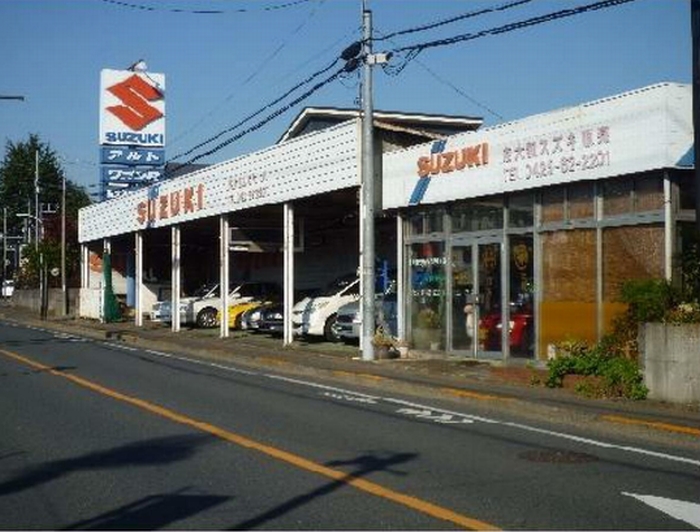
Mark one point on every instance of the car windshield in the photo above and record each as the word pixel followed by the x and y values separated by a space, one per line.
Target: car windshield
pixel 338 285
pixel 205 289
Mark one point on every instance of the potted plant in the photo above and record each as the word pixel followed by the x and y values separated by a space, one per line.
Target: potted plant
pixel 383 344
pixel 428 329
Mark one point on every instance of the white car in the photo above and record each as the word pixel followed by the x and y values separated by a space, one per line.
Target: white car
pixel 315 316
pixel 202 308
pixel 8 288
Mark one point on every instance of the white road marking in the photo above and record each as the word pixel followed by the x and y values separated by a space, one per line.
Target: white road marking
pixel 681 510
pixel 429 415
pixel 520 426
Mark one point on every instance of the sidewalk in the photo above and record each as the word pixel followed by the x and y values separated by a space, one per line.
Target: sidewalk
pixel 492 385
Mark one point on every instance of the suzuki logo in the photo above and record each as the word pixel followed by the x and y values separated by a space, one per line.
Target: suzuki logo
pixel 135 94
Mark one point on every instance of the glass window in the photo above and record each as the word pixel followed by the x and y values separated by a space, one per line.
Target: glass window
pixel 521 210
pixel 649 194
pixel 427 278
pixel 635 252
pixel 581 199
pixel 686 188
pixel 522 275
pixel 415 223
pixel 568 307
pixel 617 196
pixel 477 215
pixel 434 221
pixel 553 204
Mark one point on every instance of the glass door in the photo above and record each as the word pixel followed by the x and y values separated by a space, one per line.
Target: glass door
pixel 463 330
pixel 490 295
pixel 476 294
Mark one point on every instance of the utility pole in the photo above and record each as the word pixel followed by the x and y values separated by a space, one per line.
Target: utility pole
pixel 4 243
pixel 367 216
pixel 695 29
pixel 36 200
pixel 64 292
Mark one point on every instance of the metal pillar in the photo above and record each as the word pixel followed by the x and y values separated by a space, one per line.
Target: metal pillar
pixel 175 278
pixel 288 283
pixel 367 204
pixel 400 280
pixel 224 264
pixel 138 252
pixel 695 40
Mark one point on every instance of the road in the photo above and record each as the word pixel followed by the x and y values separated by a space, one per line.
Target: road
pixel 97 435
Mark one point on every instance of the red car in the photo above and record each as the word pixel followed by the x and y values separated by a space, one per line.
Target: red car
pixel 521 332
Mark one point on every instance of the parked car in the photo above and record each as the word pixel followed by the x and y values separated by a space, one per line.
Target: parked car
pixel 272 319
pixel 237 309
pixel 349 319
pixel 520 331
pixel 8 288
pixel 202 308
pixel 251 319
pixel 315 316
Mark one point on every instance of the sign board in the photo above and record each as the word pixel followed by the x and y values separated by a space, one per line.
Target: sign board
pixel 306 166
pixel 132 108
pixel 126 174
pixel 132 156
pixel 638 131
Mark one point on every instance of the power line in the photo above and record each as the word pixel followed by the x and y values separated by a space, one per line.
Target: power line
pixel 259 111
pixel 204 11
pixel 414 50
pixel 454 19
pixel 251 76
pixel 351 65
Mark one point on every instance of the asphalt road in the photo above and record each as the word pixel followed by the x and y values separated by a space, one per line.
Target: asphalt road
pixel 95 435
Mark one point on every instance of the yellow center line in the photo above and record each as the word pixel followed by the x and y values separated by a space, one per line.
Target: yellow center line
pixel 342 373
pixel 651 424
pixel 475 395
pixel 367 486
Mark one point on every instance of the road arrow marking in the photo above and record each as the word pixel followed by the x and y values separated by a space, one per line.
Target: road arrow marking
pixel 433 416
pixel 681 510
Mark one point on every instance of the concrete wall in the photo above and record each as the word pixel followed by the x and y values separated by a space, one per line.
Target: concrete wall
pixel 670 355
pixel 29 299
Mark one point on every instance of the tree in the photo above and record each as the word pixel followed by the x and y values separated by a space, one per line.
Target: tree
pixel 17 195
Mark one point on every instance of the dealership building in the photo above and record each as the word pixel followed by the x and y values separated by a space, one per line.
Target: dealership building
pixel 506 240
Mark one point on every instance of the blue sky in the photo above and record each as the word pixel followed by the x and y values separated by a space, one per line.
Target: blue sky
pixel 220 68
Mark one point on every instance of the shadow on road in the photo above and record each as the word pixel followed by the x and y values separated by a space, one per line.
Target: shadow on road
pixel 363 465
pixel 159 451
pixel 151 513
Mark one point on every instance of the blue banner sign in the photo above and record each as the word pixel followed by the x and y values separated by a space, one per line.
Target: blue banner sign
pixel 132 156
pixel 125 174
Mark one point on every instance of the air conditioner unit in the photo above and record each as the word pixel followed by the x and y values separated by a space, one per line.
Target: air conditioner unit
pixel 264 239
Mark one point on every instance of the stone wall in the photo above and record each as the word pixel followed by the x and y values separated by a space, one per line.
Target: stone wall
pixel 670 355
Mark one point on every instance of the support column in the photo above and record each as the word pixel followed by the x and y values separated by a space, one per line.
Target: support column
pixel 400 281
pixel 84 266
pixel 138 304
pixel 175 282
pixel 669 228
pixel 288 248
pixel 224 264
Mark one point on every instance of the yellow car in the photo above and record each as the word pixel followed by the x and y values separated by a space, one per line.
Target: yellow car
pixel 236 310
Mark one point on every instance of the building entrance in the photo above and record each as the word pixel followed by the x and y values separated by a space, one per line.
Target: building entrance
pixel 476 298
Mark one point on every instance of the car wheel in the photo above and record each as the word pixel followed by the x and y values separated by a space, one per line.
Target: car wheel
pixel 328 332
pixel 207 318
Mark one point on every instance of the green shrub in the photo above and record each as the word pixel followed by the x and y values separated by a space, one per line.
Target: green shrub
pixel 648 299
pixel 619 376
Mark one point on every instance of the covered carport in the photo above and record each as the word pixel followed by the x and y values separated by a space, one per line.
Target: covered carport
pixel 177 234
